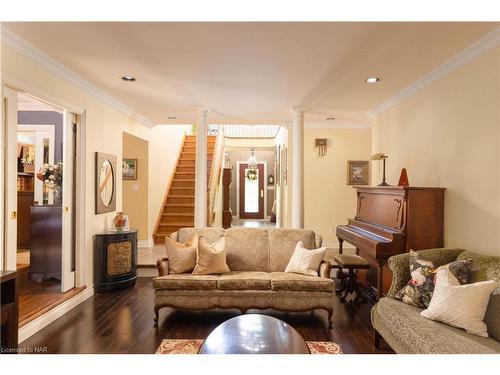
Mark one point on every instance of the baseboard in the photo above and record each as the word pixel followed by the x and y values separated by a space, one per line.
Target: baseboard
pixel 36 325
pixel 145 243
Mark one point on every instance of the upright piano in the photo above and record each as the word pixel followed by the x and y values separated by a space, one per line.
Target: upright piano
pixel 392 220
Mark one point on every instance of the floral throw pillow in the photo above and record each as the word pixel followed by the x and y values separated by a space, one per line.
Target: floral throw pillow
pixel 418 292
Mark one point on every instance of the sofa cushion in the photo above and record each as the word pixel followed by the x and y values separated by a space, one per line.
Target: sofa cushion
pixel 210 234
pixel 305 261
pixel 282 244
pixel 211 258
pixel 407 332
pixel 418 291
pixel 181 257
pixel 185 281
pixel 247 249
pixel 294 281
pixel 461 306
pixel 244 280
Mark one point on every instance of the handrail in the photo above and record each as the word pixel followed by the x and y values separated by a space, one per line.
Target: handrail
pixel 214 179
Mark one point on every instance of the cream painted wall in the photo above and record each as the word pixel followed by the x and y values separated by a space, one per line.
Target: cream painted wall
pixel 103 132
pixel 448 134
pixel 136 192
pixel 164 147
pixel 328 200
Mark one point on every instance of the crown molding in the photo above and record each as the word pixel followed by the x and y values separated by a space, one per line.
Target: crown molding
pixel 25 49
pixel 487 42
pixel 338 124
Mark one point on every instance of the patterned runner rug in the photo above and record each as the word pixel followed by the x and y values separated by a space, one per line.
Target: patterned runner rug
pixel 186 346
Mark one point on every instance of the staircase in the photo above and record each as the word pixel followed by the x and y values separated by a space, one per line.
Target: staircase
pixel 178 205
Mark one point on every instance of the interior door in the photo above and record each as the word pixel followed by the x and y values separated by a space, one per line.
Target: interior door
pixel 10 173
pixel 68 243
pixel 251 194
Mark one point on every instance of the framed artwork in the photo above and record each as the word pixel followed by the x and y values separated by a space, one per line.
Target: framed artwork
pixel 284 164
pixel 277 167
pixel 358 172
pixel 105 183
pixel 129 169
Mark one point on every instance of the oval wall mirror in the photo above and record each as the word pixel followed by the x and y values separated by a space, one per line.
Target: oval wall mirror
pixel 106 182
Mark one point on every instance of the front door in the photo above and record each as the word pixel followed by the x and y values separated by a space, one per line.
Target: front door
pixel 251 192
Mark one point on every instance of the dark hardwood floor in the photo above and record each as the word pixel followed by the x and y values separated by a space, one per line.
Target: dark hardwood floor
pixel 36 298
pixel 122 322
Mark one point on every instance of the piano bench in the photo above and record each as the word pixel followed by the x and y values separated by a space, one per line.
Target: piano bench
pixel 349 283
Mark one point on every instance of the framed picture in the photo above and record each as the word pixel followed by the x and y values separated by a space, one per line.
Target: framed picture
pixel 358 172
pixel 105 183
pixel 284 165
pixel 129 169
pixel 277 167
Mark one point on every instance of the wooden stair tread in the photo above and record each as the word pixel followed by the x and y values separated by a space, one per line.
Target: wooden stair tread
pixel 182 211
pixel 177 223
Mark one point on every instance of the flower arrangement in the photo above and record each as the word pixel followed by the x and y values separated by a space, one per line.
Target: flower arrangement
pixel 51 175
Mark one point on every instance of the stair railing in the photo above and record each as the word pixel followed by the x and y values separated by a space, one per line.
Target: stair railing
pixel 214 179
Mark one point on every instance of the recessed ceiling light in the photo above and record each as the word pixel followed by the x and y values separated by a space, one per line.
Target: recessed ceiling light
pixel 372 80
pixel 330 118
pixel 172 118
pixel 128 78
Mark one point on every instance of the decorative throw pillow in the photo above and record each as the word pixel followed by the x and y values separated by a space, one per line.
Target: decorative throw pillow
pixel 461 270
pixel 462 306
pixel 211 259
pixel 181 257
pixel 305 261
pixel 418 291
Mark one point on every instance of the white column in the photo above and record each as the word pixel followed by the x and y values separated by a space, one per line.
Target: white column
pixel 200 189
pixel 297 167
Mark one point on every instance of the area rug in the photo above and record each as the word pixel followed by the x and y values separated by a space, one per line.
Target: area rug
pixel 183 346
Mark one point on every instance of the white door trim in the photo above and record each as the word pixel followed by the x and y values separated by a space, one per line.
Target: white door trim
pixel 67 275
pixel 81 240
pixel 9 170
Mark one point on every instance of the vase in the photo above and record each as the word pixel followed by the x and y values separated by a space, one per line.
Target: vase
pixel 57 194
pixel 119 221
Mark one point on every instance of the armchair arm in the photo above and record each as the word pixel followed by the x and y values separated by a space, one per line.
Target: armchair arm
pixel 174 236
pixel 318 240
pixel 400 267
pixel 324 269
pixel 162 265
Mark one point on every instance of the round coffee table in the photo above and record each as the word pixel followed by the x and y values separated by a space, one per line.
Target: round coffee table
pixel 254 334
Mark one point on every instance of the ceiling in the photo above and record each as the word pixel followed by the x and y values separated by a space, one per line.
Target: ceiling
pixel 251 73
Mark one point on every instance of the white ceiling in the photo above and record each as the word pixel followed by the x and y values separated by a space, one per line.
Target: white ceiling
pixel 251 73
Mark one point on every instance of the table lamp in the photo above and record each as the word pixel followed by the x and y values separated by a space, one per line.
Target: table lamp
pixel 381 156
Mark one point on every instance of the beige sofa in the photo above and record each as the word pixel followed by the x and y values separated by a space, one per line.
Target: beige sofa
pixel 406 331
pixel 257 259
